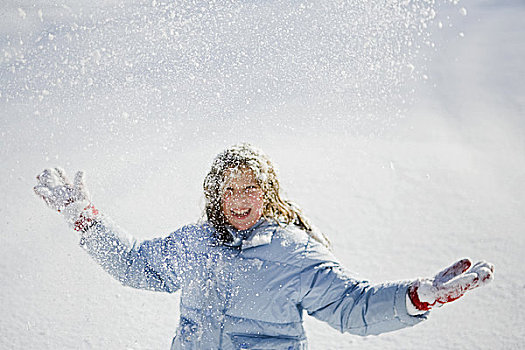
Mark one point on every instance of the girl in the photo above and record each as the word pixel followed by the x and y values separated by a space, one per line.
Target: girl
pixel 251 268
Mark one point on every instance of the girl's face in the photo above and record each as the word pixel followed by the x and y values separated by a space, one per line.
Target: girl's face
pixel 242 198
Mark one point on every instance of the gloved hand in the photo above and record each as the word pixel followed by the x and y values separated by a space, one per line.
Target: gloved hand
pixel 72 200
pixel 449 284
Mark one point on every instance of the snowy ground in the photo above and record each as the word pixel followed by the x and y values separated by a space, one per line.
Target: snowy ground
pixel 400 197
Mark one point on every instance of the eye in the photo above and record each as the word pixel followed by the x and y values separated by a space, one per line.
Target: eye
pixel 228 191
pixel 252 190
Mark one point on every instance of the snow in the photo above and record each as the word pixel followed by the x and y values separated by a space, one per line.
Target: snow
pixel 404 174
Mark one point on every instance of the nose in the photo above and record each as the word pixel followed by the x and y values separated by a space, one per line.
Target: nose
pixel 240 197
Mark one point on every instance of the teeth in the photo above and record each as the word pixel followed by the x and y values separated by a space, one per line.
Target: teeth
pixel 240 212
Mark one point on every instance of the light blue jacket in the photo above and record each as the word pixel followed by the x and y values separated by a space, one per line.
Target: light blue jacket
pixel 250 294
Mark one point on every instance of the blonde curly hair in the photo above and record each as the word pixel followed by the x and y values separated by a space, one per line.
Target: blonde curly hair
pixel 275 206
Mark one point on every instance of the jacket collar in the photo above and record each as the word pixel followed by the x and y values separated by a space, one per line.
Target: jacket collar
pixel 259 234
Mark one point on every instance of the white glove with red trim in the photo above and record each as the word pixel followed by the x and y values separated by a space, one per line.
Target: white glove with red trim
pixel 72 200
pixel 448 285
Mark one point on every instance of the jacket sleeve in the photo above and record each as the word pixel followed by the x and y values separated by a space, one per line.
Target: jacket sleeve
pixel 153 264
pixel 329 294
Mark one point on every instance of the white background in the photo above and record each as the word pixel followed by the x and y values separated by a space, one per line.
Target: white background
pixel 402 188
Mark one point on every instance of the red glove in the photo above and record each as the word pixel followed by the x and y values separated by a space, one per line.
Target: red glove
pixel 450 284
pixel 70 199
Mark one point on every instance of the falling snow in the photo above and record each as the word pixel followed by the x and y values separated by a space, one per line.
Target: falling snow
pixel 397 126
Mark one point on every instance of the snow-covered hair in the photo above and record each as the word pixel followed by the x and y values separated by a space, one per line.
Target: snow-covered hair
pixel 275 207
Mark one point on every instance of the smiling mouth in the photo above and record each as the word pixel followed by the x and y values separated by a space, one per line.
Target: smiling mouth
pixel 240 214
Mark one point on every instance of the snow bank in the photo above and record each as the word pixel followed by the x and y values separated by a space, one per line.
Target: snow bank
pixel 402 182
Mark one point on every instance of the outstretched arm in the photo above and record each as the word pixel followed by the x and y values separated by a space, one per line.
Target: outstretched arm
pixel 329 294
pixel 147 265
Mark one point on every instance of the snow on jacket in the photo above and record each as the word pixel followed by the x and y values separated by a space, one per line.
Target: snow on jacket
pixel 250 294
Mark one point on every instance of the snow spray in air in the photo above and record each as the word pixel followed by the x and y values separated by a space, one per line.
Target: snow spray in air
pixel 217 59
